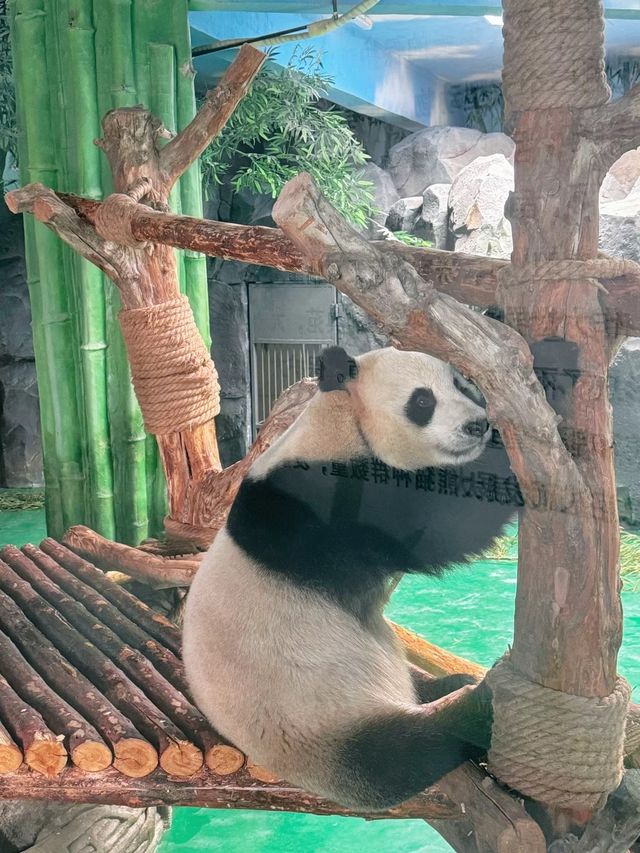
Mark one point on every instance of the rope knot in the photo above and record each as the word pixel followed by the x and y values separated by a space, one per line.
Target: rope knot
pixel 113 220
pixel 555 747
pixel 174 378
pixel 590 269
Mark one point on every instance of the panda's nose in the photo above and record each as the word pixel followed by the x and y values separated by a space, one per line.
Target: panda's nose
pixel 476 428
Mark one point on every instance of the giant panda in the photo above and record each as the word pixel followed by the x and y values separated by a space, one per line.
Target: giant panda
pixel 392 467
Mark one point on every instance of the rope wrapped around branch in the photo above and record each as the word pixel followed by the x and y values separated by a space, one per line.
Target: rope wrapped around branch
pixel 553 55
pixel 555 747
pixel 174 378
pixel 570 269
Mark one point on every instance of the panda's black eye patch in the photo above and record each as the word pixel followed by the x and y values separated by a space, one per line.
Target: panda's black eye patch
pixel 469 391
pixel 420 406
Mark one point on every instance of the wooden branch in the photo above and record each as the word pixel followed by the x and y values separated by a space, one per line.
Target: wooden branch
pixel 43 751
pixel 614 128
pixel 414 315
pixel 86 748
pixel 470 278
pixel 178 756
pixel 158 626
pixel 210 499
pixel 204 792
pixel 156 571
pixel 48 208
pixel 188 145
pixel 439 662
pixel 164 660
pixel 431 658
pixel 492 820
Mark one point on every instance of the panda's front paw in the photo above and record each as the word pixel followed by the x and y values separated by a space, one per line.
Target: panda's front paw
pixel 436 688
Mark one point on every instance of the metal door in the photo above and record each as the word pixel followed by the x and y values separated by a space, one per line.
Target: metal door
pixel 289 324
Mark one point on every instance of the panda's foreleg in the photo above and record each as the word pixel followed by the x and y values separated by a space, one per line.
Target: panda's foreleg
pixel 389 758
pixel 429 688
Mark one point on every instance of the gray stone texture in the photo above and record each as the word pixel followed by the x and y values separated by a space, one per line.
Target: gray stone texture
pixel 624 392
pixel 404 214
pixel 621 177
pixel 229 314
pixel 20 425
pixel 20 449
pixel 437 154
pixel 385 194
pixel 357 333
pixel 39 827
pixel 620 236
pixel 435 215
pixel 620 226
pixel 476 203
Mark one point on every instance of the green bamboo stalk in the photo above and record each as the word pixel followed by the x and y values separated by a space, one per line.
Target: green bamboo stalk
pixel 162 102
pixel 196 286
pixel 52 321
pixel 79 81
pixel 53 506
pixel 114 47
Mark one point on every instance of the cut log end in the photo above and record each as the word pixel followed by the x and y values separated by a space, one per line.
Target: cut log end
pixel 92 756
pixel 181 759
pixel 261 773
pixel 47 757
pixel 135 758
pixel 10 758
pixel 224 760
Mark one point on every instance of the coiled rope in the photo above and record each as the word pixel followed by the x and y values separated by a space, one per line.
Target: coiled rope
pixel 174 378
pixel 555 747
pixel 553 54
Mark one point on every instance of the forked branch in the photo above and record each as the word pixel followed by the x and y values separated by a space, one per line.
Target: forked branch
pixel 188 145
pixel 63 220
pixel 415 316
pixel 614 127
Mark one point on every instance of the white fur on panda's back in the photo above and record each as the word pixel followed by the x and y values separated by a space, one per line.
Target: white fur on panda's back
pixel 262 684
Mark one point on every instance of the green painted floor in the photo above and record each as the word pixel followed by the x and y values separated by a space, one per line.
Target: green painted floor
pixel 470 612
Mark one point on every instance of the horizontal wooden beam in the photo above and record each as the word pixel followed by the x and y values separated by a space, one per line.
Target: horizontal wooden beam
pixel 204 790
pixel 468 278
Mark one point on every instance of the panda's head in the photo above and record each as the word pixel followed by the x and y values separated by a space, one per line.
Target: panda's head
pixel 413 410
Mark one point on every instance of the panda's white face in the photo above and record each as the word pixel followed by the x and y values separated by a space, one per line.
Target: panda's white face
pixel 415 411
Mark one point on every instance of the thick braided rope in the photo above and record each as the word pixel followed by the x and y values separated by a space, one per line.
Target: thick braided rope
pixel 174 378
pixel 555 747
pixel 592 268
pixel 553 54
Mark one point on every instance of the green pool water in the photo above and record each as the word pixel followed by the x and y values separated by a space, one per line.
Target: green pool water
pixel 469 612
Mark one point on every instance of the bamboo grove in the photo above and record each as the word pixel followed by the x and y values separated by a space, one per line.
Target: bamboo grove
pixel 74 61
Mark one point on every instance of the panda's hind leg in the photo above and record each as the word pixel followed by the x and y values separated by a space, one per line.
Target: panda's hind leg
pixel 392 757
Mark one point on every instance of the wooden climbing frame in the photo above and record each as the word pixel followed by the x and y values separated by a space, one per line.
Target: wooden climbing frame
pixel 94 706
pixel 567 136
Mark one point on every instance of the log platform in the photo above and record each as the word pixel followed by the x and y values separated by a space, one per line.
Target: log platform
pixel 94 706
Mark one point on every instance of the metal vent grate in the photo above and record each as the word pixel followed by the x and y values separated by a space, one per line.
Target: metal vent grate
pixel 277 366
pixel 289 326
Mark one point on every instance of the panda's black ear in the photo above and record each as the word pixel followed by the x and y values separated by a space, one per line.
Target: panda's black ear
pixel 335 368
